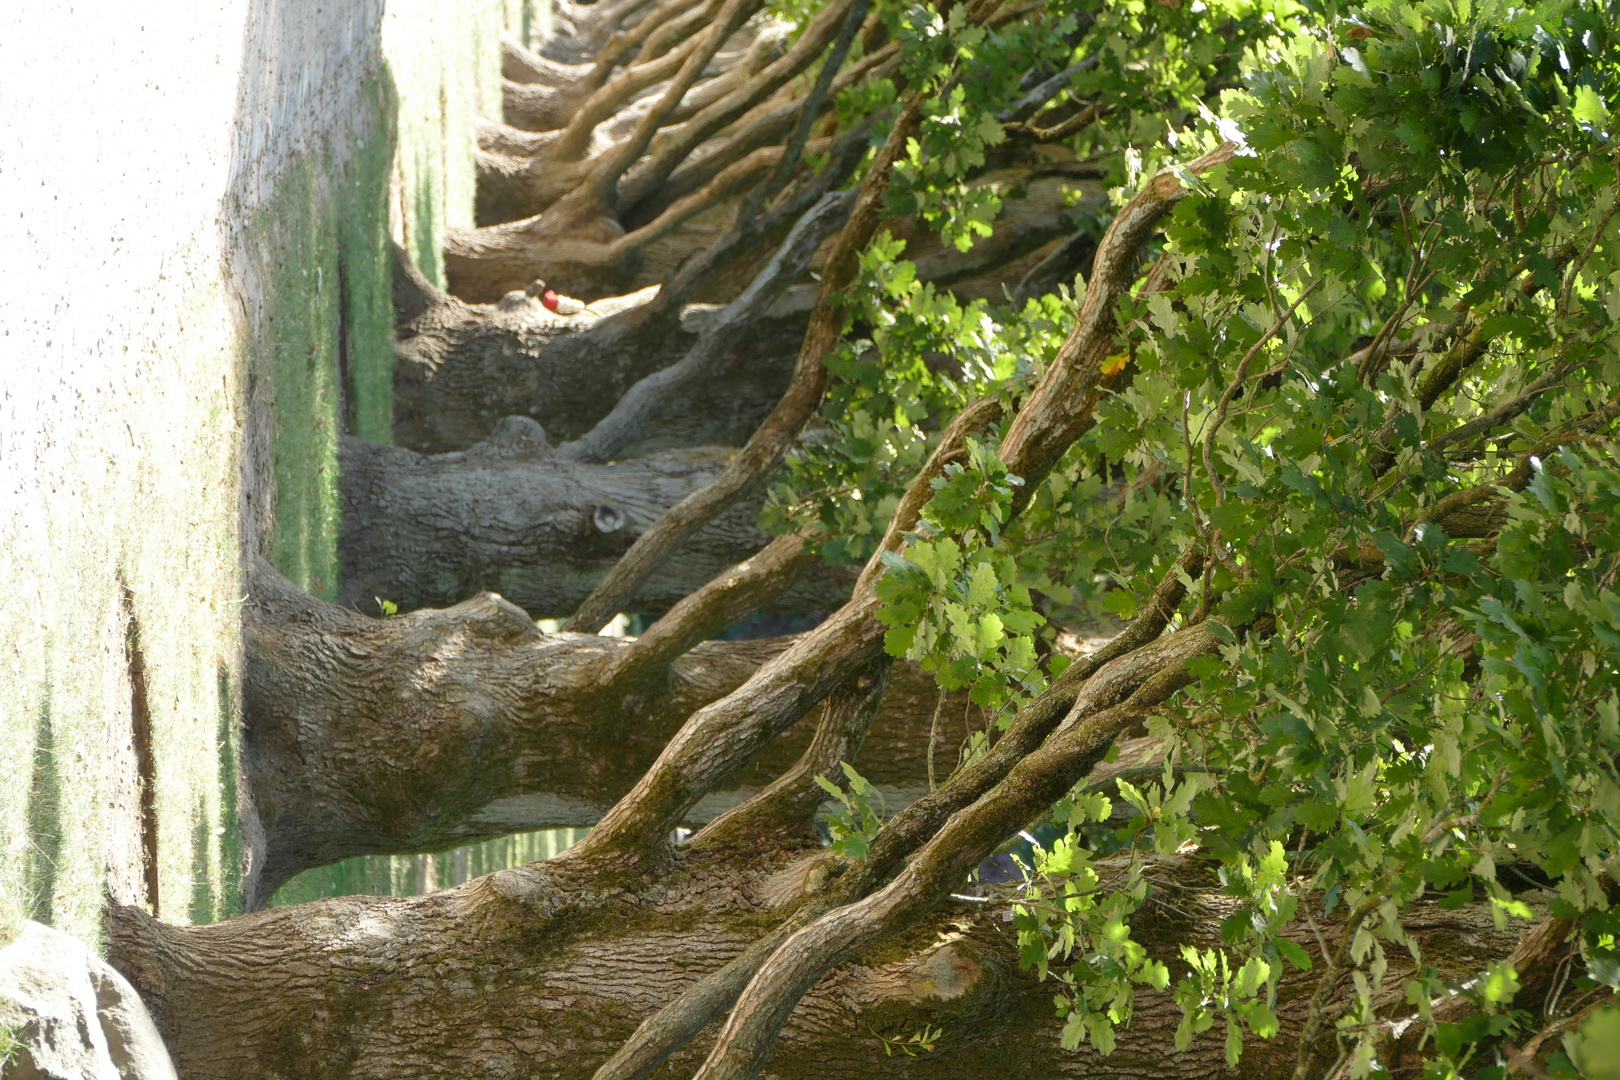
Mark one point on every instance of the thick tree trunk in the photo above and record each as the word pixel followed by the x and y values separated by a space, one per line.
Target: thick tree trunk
pixel 511 516
pixel 541 971
pixel 535 158
pixel 1043 200
pixel 372 736
pixel 461 369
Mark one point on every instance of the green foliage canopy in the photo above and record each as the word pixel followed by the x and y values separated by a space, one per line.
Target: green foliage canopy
pixel 1372 376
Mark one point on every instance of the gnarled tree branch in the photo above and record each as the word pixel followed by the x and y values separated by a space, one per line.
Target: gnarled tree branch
pixel 765 448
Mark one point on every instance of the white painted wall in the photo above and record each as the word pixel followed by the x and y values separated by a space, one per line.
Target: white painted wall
pixel 135 141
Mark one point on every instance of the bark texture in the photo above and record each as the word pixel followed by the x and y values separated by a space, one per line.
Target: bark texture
pixel 462 368
pixel 371 736
pixel 745 948
pixel 512 516
pixel 542 970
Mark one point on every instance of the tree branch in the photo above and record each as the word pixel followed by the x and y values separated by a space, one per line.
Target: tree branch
pixel 663 38
pixel 972 420
pixel 1073 256
pixel 755 461
pixel 811 109
pixel 763 129
pixel 1440 376
pixel 550 96
pixel 669 151
pixel 845 155
pixel 521 64
pixel 576 137
pixel 647 398
pixel 1505 412
pixel 611 54
pixel 1106 675
pixel 1522 472
pixel 788 805
pixel 597 193
pixel 720 738
pixel 733 595
pixel 684 1017
pixel 1037 781
pixel 1043 92
pixel 1062 405
pixel 1236 384
pixel 696 1007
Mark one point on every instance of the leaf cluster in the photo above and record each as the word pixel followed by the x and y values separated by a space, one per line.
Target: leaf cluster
pixel 1375 389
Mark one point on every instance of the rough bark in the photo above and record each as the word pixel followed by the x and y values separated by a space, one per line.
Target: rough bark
pixel 440 726
pixel 462 368
pixel 487 262
pixel 765 448
pixel 582 31
pixel 721 735
pixel 546 969
pixel 520 175
pixel 645 401
pixel 544 104
pixel 370 736
pixel 588 213
pixel 1062 406
pixel 511 516
pixel 542 970
pixel 549 211
pixel 520 64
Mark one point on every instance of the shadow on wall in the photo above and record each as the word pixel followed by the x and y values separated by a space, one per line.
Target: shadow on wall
pixel 44 820
pixel 305 233
pixel 157 433
pixel 344 113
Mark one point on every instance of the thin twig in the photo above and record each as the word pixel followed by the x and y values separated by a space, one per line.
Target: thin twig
pixel 1330 978
pixel 1237 382
pixel 933 738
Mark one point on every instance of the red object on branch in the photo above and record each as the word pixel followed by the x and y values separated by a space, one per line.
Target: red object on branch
pixel 554 300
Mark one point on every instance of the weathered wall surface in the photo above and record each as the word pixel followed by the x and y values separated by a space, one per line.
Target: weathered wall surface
pixel 194 208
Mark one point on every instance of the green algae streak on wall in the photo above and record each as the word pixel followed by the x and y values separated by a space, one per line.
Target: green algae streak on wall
pixel 195 306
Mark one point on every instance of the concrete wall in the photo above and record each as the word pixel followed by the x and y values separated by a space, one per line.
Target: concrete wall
pixel 194 210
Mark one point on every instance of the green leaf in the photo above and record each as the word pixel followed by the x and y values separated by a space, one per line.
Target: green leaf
pixel 1457 898
pixel 1294 954
pixel 1500 983
pixel 982 587
pixel 1595 1047
pixel 1184 1033
pixel 986 635
pixel 853 846
pixel 1317 816
pixel 1604 967
pixel 1121 602
pixel 1589 107
pixel 1251 976
pixel 1074 1031
pixel 1102 1036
